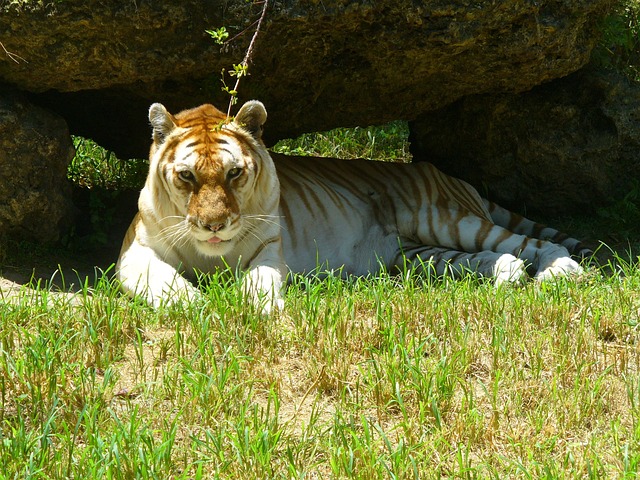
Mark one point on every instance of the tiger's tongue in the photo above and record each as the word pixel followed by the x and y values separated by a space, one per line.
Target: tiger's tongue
pixel 214 240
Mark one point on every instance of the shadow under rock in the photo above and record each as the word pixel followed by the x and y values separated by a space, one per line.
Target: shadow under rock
pixel 86 258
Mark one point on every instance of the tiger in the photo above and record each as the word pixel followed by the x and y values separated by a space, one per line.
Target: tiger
pixel 216 197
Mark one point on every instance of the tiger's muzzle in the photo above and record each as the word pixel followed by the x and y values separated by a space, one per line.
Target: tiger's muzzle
pixel 215 231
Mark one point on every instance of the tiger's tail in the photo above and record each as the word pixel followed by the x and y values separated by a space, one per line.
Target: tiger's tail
pixel 523 226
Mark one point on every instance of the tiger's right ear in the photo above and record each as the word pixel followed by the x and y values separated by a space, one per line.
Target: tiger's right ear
pixel 161 121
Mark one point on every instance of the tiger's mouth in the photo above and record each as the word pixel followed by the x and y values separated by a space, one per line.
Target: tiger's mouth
pixel 215 240
pixel 209 236
pixel 214 245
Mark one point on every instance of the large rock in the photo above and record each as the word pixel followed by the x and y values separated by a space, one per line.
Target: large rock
pixel 566 147
pixel 317 65
pixel 35 150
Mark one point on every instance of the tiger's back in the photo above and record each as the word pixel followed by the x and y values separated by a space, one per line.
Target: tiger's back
pixel 350 214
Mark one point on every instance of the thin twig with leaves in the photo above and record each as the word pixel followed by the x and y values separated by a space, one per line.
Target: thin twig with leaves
pixel 245 62
pixel 221 36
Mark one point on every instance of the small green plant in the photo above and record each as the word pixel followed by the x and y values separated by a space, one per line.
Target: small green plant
pixel 221 37
pixel 238 72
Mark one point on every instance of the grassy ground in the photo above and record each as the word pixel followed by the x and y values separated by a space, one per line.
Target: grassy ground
pixel 384 377
pixel 376 378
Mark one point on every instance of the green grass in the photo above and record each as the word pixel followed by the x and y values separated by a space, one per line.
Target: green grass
pixel 387 143
pixel 375 378
pixel 93 167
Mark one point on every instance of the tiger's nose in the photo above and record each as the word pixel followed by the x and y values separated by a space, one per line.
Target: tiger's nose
pixel 215 227
pixel 199 223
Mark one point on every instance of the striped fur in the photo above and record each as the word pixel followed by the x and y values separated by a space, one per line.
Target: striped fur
pixel 213 197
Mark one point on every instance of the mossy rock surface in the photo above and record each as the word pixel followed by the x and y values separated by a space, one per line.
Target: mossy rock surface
pixel 317 65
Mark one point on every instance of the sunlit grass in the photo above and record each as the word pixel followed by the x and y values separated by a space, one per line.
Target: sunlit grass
pixel 95 167
pixel 387 143
pixel 368 378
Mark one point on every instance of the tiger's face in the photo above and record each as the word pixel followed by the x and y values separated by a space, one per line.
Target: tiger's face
pixel 210 171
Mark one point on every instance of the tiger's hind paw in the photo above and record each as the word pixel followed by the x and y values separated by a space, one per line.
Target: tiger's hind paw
pixel 558 268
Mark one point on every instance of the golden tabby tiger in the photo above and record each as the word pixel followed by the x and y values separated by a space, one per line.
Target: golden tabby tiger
pixel 215 197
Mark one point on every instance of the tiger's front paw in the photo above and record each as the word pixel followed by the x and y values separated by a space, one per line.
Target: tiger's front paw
pixel 262 286
pixel 179 291
pixel 509 269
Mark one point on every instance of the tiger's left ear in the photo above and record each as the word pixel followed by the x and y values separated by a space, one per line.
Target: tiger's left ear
pixel 252 117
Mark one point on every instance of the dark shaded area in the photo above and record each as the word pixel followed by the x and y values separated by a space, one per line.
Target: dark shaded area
pixel 567 147
pixel 115 119
pixel 91 245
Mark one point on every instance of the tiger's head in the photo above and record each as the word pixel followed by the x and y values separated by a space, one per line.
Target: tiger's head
pixel 211 181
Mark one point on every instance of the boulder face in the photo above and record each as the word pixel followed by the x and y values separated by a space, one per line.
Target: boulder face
pixel 563 148
pixel 316 65
pixel 35 150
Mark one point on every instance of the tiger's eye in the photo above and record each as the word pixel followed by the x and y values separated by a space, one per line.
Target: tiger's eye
pixel 186 176
pixel 234 173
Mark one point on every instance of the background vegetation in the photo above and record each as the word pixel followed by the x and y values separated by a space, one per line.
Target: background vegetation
pixel 620 45
pixel 386 377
